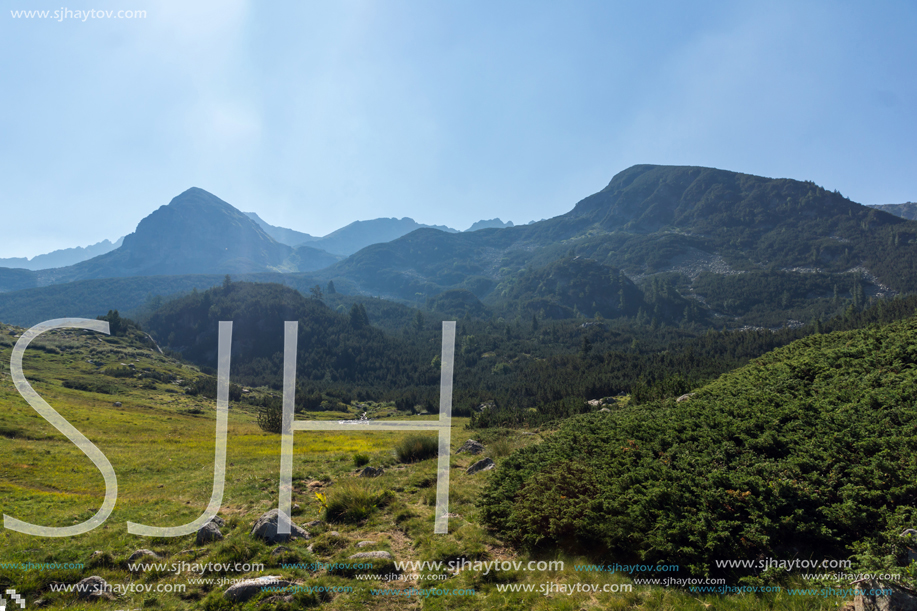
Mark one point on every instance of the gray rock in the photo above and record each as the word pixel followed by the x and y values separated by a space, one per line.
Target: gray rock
pixel 117 404
pixel 265 528
pixel 684 397
pixel 372 472
pixel 142 554
pixel 280 549
pixel 209 532
pixel 93 588
pixel 379 555
pixel 218 521
pixel 471 447
pixel 485 464
pixel 898 600
pixel 315 523
pixel 247 588
pixel 365 543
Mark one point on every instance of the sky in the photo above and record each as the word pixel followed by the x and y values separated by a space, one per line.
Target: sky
pixel 317 114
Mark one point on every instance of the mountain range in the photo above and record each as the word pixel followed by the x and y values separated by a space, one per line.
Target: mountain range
pixel 670 242
pixel 341 242
pixel 62 257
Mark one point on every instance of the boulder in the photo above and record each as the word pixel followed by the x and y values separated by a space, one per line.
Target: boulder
pixel 684 397
pixel 471 447
pixel 144 555
pixel 265 528
pixel 365 543
pixel 117 404
pixel 93 588
pixel 209 532
pixel 372 472
pixel 249 588
pixel 218 521
pixel 900 599
pixel 280 549
pixel 485 464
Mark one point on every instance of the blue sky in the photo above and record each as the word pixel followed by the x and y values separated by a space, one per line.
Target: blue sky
pixel 317 114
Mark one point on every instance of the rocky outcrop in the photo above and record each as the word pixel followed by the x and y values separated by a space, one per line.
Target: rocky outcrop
pixel 471 447
pixel 265 528
pixel 248 588
pixel 142 555
pixel 485 464
pixel 93 588
pixel 209 532
pixel 899 599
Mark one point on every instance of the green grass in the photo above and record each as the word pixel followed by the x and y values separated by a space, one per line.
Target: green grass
pixel 352 502
pixel 416 447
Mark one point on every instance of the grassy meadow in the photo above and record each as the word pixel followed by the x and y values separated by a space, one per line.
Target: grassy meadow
pixel 160 442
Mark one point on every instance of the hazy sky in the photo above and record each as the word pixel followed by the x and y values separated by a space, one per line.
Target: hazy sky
pixel 317 114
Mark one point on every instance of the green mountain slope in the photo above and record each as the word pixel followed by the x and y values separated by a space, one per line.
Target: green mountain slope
pixel 804 452
pixel 654 220
pixel 569 288
pixel 90 298
pixel 333 347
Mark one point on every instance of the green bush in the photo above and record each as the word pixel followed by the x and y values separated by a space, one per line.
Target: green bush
pixel 360 460
pixel 417 447
pixel 270 417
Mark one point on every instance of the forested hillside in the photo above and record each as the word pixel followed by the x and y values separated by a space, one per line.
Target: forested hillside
pixel 807 451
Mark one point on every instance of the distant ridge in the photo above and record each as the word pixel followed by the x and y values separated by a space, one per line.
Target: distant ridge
pixel 62 257
pixel 196 233
pixel 290 237
pixel 491 224
pixel 907 210
pixel 360 234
